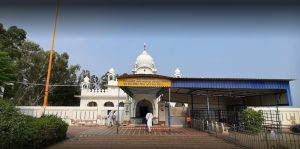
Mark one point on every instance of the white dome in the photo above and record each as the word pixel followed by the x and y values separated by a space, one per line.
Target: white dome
pixel 144 64
pixel 144 60
pixel 111 71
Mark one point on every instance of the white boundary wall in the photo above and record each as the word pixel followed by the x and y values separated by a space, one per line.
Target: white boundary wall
pixel 74 115
pixel 98 116
pixel 288 115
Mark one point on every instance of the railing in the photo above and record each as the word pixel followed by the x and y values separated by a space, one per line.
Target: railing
pixel 225 116
pixel 260 139
pixel 272 118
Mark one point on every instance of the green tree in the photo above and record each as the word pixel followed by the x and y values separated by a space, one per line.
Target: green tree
pixel 11 40
pixel 33 68
pixel 63 73
pixel 31 63
pixel 104 81
pixel 95 82
pixel 252 120
pixel 84 73
pixel 7 68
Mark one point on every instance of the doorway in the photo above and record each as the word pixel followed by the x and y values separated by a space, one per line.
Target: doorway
pixel 143 112
pixel 142 108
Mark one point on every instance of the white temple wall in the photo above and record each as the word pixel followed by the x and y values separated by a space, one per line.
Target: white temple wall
pixel 288 116
pixel 74 115
pixel 100 102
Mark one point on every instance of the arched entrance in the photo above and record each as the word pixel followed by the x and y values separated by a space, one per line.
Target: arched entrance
pixel 142 108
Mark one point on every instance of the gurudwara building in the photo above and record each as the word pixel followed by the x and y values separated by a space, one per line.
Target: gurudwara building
pixel 138 105
pixel 172 98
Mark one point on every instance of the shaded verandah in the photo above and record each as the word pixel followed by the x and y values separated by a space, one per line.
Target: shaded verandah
pixel 223 99
pixel 213 102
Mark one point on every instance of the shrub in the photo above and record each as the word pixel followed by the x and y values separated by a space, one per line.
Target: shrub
pixel 51 129
pixel 252 120
pixel 21 131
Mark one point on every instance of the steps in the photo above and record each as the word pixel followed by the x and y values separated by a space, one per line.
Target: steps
pixel 136 138
pixel 144 125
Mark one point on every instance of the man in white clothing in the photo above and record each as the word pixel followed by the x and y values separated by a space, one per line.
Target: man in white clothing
pixel 149 118
pixel 110 118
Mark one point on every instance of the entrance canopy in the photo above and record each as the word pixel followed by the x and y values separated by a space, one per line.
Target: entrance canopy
pixel 185 89
pixel 144 84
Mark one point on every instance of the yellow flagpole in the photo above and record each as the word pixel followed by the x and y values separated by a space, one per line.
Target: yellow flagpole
pixel 50 58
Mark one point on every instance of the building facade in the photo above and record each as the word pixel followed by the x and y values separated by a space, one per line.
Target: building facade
pixel 204 98
pixel 137 106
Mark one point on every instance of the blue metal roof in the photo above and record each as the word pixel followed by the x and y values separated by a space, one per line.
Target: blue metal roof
pixel 234 84
pixel 219 83
pixel 223 83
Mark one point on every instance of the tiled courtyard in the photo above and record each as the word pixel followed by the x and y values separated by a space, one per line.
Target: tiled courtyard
pixel 137 138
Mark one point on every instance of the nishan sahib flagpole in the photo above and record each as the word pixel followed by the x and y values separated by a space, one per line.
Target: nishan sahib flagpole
pixel 50 58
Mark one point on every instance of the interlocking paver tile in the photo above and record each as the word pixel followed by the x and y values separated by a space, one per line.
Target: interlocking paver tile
pixel 139 138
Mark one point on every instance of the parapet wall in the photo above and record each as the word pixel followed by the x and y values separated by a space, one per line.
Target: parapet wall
pixel 103 92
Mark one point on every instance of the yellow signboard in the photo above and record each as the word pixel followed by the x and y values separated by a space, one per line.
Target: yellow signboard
pixel 144 82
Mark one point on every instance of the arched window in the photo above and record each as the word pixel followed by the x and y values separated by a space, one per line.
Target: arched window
pixel 109 104
pixel 84 86
pixel 92 104
pixel 111 77
pixel 179 104
pixel 121 104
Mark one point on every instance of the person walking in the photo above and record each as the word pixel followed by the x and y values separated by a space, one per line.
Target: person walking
pixel 149 118
pixel 110 118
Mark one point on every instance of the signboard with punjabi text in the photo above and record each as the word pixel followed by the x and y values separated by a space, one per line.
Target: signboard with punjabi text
pixel 144 82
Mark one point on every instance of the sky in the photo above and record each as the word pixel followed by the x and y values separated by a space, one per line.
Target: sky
pixel 203 40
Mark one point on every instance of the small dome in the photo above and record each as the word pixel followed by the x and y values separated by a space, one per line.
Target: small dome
pixel 178 73
pixel 86 79
pixel 111 70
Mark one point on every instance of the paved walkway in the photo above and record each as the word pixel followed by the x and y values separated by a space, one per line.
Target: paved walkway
pixel 138 138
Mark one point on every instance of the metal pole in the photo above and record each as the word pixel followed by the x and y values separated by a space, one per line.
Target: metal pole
pixel 169 113
pixel 277 114
pixel 192 97
pixel 219 111
pixel 118 118
pixel 192 113
pixel 207 101
pixel 50 58
pixel 266 137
